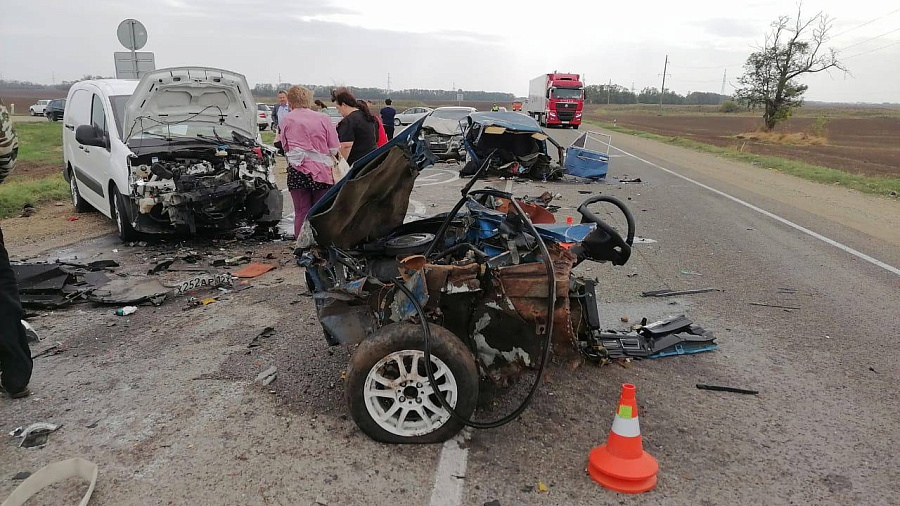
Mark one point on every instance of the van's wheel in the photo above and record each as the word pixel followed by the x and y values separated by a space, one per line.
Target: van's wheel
pixel 77 202
pixel 388 391
pixel 118 207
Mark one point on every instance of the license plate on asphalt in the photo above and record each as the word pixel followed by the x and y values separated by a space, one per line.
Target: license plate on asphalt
pixel 204 281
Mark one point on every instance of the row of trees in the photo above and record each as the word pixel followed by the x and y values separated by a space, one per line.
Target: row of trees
pixel 615 94
pixel 6 84
pixel 269 90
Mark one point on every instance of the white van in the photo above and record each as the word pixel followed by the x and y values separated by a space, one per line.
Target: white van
pixel 176 151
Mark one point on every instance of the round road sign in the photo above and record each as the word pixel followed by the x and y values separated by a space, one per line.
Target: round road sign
pixel 132 34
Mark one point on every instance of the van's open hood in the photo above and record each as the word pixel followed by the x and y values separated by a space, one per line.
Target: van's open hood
pixel 197 94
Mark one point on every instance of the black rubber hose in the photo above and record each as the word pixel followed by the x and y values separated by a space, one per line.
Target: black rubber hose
pixel 545 351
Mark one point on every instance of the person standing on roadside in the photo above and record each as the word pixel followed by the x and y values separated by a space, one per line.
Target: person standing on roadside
pixel 280 109
pixel 382 136
pixel 358 131
pixel 320 106
pixel 387 118
pixel 310 141
pixel 15 356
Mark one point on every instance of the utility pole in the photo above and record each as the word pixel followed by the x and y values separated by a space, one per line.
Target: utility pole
pixel 724 75
pixel 663 90
pixel 279 80
pixel 608 91
pixel 389 82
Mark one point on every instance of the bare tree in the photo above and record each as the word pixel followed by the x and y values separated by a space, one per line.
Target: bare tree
pixel 792 48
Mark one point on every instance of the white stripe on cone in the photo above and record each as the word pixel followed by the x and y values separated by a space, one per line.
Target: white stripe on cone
pixel 626 427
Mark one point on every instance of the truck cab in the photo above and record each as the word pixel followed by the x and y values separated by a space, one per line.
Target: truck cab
pixel 556 99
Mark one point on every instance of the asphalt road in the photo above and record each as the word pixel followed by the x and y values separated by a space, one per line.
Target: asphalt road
pixel 179 419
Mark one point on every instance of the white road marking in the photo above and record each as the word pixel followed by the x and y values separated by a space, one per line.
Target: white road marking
pixel 832 242
pixel 433 177
pixel 509 183
pixel 451 472
pixel 418 207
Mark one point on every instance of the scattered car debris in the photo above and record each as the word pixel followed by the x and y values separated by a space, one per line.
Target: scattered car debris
pixel 35 434
pixel 774 305
pixel 55 349
pixel 719 388
pixel 27 210
pixel 675 336
pixel 643 240
pixel 30 334
pixel 633 180
pixel 495 502
pixel 161 266
pixel 265 333
pixel 670 293
pixel 241 259
pixel 542 489
pixel 51 474
pixel 127 310
pixel 254 270
pixel 267 376
pixel 21 475
pixel 690 272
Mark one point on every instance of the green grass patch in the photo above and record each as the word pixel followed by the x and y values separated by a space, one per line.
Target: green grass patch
pixel 268 137
pixel 40 142
pixel 817 173
pixel 15 194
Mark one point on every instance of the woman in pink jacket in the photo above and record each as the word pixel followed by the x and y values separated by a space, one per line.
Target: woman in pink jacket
pixel 310 141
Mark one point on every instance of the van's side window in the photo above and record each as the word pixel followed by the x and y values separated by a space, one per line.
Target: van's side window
pixel 98 115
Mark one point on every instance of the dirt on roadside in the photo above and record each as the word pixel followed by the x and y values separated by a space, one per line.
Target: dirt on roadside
pixel 50 228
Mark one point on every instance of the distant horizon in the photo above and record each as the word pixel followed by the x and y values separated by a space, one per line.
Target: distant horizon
pixel 805 102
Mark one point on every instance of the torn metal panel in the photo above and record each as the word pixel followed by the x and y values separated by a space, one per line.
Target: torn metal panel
pixel 526 286
pixel 369 206
pixel 402 308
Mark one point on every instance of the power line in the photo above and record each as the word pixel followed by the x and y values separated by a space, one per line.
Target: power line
pixel 871 51
pixel 873 38
pixel 866 23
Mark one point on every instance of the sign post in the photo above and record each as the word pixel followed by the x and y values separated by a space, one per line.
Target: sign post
pixel 133 35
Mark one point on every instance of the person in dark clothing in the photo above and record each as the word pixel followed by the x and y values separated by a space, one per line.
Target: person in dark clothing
pixel 15 356
pixel 358 131
pixel 387 118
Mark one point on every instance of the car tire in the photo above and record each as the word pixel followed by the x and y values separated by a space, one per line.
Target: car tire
pixel 32 112
pixel 126 232
pixel 397 122
pixel 575 126
pixel 412 420
pixel 77 201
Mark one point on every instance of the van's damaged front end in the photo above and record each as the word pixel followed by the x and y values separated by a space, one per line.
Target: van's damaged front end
pixel 198 163
pixel 204 187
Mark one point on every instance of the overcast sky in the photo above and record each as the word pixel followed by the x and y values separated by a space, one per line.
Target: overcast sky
pixel 472 44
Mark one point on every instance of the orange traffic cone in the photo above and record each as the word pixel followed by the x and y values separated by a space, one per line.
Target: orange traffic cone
pixel 621 464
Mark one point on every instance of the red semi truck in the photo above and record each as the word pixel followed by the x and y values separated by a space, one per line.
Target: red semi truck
pixel 556 99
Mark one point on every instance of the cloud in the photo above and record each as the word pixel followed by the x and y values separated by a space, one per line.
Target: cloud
pixel 732 28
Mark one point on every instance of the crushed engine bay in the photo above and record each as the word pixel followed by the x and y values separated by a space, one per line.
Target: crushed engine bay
pixel 204 187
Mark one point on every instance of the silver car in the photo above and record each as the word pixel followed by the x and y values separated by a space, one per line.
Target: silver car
pixel 334 114
pixel 411 115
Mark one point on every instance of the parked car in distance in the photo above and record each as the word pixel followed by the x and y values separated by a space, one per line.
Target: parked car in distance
pixel 334 114
pixel 55 110
pixel 38 108
pixel 265 116
pixel 176 151
pixel 411 115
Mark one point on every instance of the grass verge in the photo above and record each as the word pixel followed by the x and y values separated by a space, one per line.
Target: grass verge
pixel 15 194
pixel 817 173
pixel 40 142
